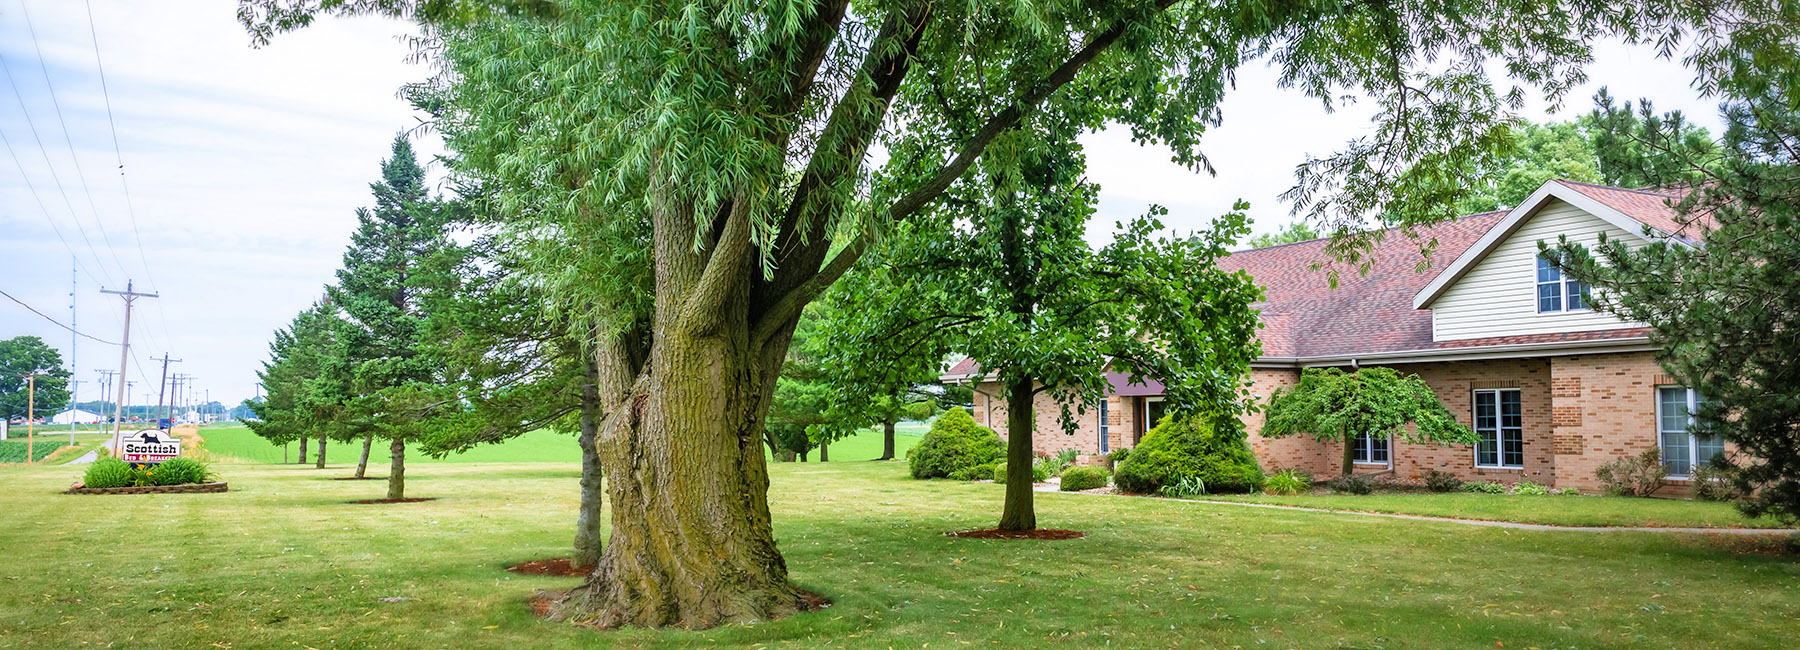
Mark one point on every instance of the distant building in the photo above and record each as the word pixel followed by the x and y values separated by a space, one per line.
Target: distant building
pixel 77 416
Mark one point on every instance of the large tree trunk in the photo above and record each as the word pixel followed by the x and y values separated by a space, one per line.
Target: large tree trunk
pixel 321 459
pixel 1349 455
pixel 1020 512
pixel 397 469
pixel 303 441
pixel 887 441
pixel 824 452
pixel 691 543
pixel 362 465
pixel 589 540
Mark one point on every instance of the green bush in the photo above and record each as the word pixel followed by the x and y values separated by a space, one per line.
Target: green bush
pixel 954 444
pixel 1640 475
pixel 1288 482
pixel 1437 481
pixel 1569 492
pixel 1529 488
pixel 1208 448
pixel 179 471
pixel 976 473
pixel 1484 487
pixel 1715 480
pixel 1083 478
pixel 1117 457
pixel 109 473
pixel 1186 488
pixel 1039 473
pixel 1351 484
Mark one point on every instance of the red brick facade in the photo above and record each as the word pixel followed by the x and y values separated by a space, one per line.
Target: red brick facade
pixel 1578 413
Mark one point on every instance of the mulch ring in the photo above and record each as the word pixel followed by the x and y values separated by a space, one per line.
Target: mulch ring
pixel 1041 533
pixel 359 478
pixel 408 500
pixel 557 566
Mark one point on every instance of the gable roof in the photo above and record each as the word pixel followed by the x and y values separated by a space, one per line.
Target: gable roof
pixel 1627 209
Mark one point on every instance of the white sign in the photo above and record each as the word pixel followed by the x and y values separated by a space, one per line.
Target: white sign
pixel 149 446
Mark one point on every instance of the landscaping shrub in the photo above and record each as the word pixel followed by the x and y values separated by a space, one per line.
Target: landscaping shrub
pixel 1484 487
pixel 1039 473
pixel 1640 475
pixel 954 444
pixel 1117 458
pixel 976 473
pixel 1529 488
pixel 109 473
pixel 1715 480
pixel 1208 448
pixel 1287 482
pixel 1437 481
pixel 1569 492
pixel 1351 484
pixel 1066 459
pixel 1185 488
pixel 1083 478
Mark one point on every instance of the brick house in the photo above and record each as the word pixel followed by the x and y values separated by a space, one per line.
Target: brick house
pixel 1554 388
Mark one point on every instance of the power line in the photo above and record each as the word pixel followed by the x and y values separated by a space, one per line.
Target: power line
pixel 45 151
pixel 45 209
pixel 54 321
pixel 113 130
pixel 74 156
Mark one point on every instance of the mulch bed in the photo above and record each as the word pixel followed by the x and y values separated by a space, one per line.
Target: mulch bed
pixel 360 478
pixel 1041 533
pixel 190 488
pixel 558 566
pixel 407 500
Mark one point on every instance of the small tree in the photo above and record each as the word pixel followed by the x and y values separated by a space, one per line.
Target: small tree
pixel 29 354
pixel 1332 405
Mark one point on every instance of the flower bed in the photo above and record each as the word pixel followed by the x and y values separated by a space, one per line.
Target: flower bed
pixel 189 488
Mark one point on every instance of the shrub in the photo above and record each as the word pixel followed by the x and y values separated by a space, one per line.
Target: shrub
pixel 1529 488
pixel 1484 487
pixel 108 473
pixel 1288 482
pixel 1039 473
pixel 1066 458
pixel 1083 478
pixel 1351 484
pixel 1186 488
pixel 976 473
pixel 1117 457
pixel 1437 481
pixel 179 471
pixel 1569 492
pixel 1209 448
pixel 1639 475
pixel 1715 480
pixel 954 444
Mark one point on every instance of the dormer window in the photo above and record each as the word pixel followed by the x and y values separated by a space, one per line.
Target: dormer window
pixel 1556 291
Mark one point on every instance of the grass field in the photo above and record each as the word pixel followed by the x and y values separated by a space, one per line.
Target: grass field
pixel 282 561
pixel 1555 510
pixel 239 444
pixel 13 451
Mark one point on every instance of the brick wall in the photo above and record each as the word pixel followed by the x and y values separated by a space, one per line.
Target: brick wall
pixel 1606 408
pixel 1048 435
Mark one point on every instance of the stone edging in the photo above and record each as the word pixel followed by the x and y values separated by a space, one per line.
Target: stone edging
pixel 190 488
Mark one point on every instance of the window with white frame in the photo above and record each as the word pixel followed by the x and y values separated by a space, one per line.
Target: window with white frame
pixel 1105 442
pixel 1681 449
pixel 1500 421
pixel 1370 450
pixel 1556 291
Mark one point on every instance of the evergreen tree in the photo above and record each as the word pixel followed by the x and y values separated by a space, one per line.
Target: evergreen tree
pixel 304 381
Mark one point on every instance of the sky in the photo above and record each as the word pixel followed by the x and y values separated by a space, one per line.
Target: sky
pixel 245 167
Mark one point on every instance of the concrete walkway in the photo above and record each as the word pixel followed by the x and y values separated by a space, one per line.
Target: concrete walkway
pixel 1053 487
pixel 91 456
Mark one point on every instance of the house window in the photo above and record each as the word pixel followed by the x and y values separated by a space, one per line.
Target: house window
pixel 1370 450
pixel 1681 449
pixel 1500 421
pixel 1556 291
pixel 1104 441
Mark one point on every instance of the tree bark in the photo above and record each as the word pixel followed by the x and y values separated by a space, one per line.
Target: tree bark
pixel 887 441
pixel 362 465
pixel 320 461
pixel 397 469
pixel 1349 455
pixel 1020 512
pixel 589 539
pixel 824 452
pixel 303 441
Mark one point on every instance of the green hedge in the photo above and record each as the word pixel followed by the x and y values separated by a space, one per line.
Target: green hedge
pixel 1083 478
pixel 1191 447
pixel 955 446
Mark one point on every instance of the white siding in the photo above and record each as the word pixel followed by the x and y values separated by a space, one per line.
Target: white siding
pixel 1498 296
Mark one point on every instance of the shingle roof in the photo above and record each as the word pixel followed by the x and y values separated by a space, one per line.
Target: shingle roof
pixel 1653 207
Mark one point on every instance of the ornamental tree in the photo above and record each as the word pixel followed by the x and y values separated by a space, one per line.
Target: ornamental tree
pixel 716 148
pixel 1721 295
pixel 1331 405
pixel 21 355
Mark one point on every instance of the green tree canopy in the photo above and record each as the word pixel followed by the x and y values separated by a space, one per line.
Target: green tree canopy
pixel 1336 406
pixel 21 355
pixel 1296 231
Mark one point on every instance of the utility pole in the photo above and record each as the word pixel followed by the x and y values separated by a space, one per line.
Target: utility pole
pixel 128 386
pixel 124 351
pixel 105 387
pixel 77 386
pixel 74 339
pixel 163 385
pixel 30 411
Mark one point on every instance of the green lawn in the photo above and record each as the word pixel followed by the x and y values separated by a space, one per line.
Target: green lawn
pixel 1555 510
pixel 283 562
pixel 238 443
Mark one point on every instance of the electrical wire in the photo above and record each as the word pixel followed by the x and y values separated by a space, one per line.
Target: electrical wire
pixel 54 321
pixel 45 152
pixel 45 209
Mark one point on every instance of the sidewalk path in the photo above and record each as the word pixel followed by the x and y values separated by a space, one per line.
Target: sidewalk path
pixel 1051 487
pixel 92 455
